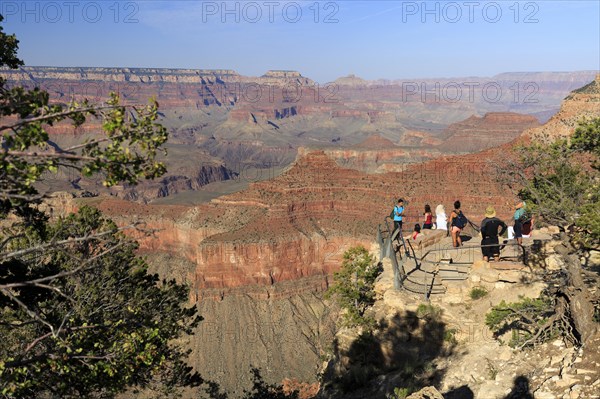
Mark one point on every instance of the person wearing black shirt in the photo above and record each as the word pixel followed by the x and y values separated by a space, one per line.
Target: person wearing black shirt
pixel 489 234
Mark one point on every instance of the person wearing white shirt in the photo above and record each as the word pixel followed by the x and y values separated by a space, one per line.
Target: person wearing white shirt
pixel 441 220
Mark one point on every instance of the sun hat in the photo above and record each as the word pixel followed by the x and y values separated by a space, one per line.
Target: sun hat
pixel 490 212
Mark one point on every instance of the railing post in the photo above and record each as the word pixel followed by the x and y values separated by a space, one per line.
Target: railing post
pixel 379 239
pixel 389 249
pixel 397 284
pixel 525 259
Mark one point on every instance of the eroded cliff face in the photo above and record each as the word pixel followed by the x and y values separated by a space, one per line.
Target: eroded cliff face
pixel 581 104
pixel 491 130
pixel 283 337
pixel 377 154
pixel 285 103
pixel 191 179
pixel 219 116
pixel 240 241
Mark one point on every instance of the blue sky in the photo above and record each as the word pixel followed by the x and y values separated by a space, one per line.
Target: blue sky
pixel 321 39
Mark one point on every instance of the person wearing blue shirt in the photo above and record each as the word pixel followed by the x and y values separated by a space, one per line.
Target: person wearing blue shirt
pixel 398 212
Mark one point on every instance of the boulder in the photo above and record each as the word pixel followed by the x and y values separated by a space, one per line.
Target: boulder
pixel 492 390
pixel 544 395
pixel 554 262
pixel 594 258
pixel 385 280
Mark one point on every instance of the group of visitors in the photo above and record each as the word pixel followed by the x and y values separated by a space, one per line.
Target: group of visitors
pixel 491 226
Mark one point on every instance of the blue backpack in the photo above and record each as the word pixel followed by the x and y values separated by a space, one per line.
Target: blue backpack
pixel 460 220
pixel 521 214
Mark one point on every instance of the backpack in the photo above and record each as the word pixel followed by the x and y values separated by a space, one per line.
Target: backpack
pixel 522 215
pixel 460 220
pixel 393 213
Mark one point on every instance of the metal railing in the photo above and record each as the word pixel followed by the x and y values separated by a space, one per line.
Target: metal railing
pixel 385 240
pixel 523 257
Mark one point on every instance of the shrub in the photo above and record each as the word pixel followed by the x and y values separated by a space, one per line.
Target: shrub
pixel 523 318
pixel 428 311
pixel 399 393
pixel 478 293
pixel 353 286
pixel 449 336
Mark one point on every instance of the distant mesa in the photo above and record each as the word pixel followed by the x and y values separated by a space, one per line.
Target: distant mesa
pixel 98 72
pixel 282 74
pixel 351 80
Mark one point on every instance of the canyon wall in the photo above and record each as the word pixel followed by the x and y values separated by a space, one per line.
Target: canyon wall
pixel 222 123
pixel 493 129
pixel 298 224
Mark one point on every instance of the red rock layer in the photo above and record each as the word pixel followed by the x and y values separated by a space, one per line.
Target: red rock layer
pixel 493 129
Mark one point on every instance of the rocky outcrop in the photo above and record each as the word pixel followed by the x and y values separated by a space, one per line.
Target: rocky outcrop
pixel 284 337
pixel 413 138
pixel 295 225
pixel 581 104
pixel 491 130
pixel 174 184
pixel 380 154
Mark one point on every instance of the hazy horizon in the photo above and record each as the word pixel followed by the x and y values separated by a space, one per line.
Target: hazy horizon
pixel 322 40
pixel 391 79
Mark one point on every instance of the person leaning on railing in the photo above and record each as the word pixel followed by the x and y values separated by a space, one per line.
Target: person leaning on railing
pixel 398 213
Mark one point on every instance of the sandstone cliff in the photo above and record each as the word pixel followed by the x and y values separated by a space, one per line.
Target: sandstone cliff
pixel 581 104
pixel 491 130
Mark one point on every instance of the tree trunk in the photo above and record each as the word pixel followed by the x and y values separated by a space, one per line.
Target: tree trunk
pixel 580 304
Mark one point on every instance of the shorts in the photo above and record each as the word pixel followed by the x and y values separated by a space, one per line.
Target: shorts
pixel 456 229
pixel 518 229
pixel 427 225
pixel 490 252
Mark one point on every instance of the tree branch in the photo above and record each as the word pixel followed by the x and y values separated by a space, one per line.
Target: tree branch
pixel 59 155
pixel 72 240
pixel 30 312
pixel 55 115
